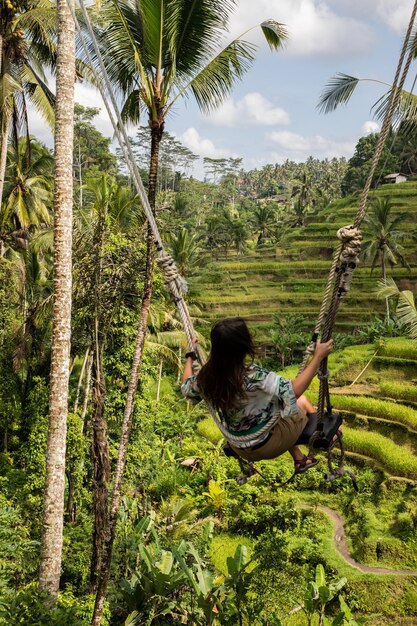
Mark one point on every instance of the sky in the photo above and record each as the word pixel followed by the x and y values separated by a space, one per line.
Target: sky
pixel 272 114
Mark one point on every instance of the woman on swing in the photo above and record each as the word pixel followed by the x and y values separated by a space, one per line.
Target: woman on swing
pixel 247 396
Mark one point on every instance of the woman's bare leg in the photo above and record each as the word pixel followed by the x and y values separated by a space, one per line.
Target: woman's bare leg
pixel 306 407
pixel 296 454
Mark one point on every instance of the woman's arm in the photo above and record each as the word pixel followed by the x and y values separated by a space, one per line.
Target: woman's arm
pixel 303 380
pixel 188 368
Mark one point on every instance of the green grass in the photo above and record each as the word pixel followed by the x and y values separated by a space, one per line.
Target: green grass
pixel 392 389
pixel 225 545
pixel 373 407
pixel 208 429
pixel 400 348
pixel 396 460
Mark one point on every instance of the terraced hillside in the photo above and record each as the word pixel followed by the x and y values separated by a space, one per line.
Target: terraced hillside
pixel 291 277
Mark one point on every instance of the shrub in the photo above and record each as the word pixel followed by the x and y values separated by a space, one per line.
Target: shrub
pixel 29 606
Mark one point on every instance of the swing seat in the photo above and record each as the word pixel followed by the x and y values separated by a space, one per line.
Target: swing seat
pixel 328 428
pixel 228 451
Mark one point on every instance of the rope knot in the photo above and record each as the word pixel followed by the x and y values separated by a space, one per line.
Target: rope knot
pixel 351 238
pixel 173 280
pixel 323 375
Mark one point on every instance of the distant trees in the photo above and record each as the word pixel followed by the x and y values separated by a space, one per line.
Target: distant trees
pixel 175 159
pixel 360 164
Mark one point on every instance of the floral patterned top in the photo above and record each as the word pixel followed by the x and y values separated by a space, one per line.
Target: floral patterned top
pixel 266 395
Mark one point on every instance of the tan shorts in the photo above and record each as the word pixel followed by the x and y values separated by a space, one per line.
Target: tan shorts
pixel 283 436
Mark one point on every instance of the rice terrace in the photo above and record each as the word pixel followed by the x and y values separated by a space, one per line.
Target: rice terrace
pixel 208 323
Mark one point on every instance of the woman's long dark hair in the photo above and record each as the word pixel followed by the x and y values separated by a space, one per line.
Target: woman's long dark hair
pixel 221 378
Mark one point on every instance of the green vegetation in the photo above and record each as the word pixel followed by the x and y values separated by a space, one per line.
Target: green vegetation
pixel 398 460
pixel 191 546
pixel 398 391
pixel 390 411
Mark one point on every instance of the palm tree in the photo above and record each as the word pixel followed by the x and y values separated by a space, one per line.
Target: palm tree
pixel 53 512
pixel 27 194
pixel 382 237
pixel 305 193
pixel 264 217
pixel 156 53
pixel 185 251
pixel 27 48
pixel 406 309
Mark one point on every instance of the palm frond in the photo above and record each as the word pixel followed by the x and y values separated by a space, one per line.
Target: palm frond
pixel 152 13
pixel 407 311
pixel 387 288
pixel 131 109
pixel 338 90
pixel 215 81
pixel 276 34
pixel 191 30
pixel 407 113
pixel 39 93
pixel 381 106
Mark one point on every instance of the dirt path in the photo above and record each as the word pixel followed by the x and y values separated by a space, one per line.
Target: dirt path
pixel 339 538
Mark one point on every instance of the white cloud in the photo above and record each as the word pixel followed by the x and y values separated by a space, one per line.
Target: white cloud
pixel 201 146
pixel 395 13
pixel 253 109
pixel 299 147
pixel 89 96
pixel 314 26
pixel 370 127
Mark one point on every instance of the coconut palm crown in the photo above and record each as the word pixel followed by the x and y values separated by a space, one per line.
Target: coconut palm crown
pixel 157 52
pixel 383 237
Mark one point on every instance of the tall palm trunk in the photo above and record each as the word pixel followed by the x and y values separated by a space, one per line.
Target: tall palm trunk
pixel 80 381
pixel 100 448
pixel 156 136
pixel 101 466
pixel 384 278
pixel 3 153
pixel 53 513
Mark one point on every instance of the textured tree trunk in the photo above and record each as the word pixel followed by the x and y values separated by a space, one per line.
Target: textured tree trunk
pixel 53 512
pixel 157 131
pixel 101 467
pixel 80 381
pixel 3 155
pixel 100 448
pixel 384 278
pixel 86 392
pixel 158 389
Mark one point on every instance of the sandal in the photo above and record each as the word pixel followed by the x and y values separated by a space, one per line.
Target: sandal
pixel 304 464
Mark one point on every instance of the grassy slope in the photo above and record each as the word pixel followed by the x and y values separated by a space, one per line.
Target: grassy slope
pixel 291 277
